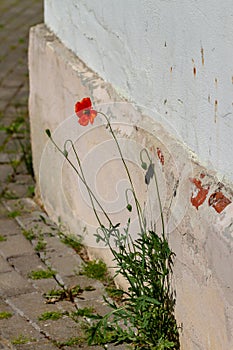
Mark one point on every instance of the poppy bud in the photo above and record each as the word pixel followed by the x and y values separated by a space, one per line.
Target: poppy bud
pixel 48 132
pixel 129 207
pixel 144 165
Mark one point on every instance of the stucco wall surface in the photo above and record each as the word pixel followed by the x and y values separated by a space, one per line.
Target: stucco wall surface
pixel 197 206
pixel 174 57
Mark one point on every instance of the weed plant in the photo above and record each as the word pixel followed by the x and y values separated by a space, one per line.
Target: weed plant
pixel 95 269
pixel 5 315
pixel 51 315
pixel 2 238
pixel 71 241
pixel 22 339
pixel 41 274
pixel 145 317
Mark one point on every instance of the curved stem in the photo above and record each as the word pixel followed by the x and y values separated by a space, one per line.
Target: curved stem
pixel 139 211
pixel 82 178
pixel 148 156
pixel 157 190
pixel 160 205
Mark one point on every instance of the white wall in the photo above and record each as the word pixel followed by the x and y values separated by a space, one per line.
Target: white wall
pixel 175 57
pixel 198 214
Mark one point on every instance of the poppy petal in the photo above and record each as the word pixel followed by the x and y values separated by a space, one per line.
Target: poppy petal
pixel 83 120
pixel 92 115
pixel 85 103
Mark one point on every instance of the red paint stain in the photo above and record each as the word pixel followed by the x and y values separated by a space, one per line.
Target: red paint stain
pixel 199 195
pixel 194 72
pixel 202 56
pixel 218 201
pixel 215 110
pixel 202 175
pixel 160 156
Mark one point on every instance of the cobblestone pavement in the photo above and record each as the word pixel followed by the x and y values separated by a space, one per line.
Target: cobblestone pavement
pixel 29 242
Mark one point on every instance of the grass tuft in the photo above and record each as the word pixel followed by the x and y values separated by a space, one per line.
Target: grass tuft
pixel 2 238
pixel 51 315
pixel 41 274
pixel 95 269
pixel 5 315
pixel 22 339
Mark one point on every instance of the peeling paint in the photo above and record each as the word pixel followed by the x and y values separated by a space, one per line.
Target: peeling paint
pixel 218 201
pixel 199 194
pixel 160 155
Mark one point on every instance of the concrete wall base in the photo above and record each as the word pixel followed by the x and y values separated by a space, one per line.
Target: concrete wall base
pixel 197 206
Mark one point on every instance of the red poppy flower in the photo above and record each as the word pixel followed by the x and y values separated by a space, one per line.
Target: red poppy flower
pixel 84 111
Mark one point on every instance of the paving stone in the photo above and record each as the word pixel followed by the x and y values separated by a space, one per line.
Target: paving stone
pixel 4 307
pixel 15 246
pixel 40 345
pixel 84 282
pixel 4 266
pixel 12 327
pixel 13 81
pixel 5 344
pixel 45 285
pixel 54 244
pixel 2 136
pixel 32 305
pixel 98 307
pixel 5 171
pixel 3 212
pixel 4 158
pixel 12 148
pixel 66 264
pixel 83 347
pixel 62 329
pixel 11 284
pixel 26 263
pixel 7 94
pixel 27 205
pixel 9 227
pixel 18 189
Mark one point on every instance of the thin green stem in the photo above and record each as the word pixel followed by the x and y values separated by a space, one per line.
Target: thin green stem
pixel 84 182
pixel 160 205
pixel 139 211
pixel 157 189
